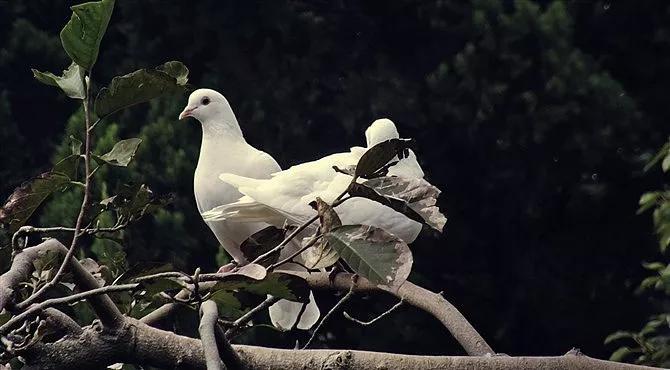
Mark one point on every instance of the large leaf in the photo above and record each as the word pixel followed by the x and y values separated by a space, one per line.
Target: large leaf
pixel 122 152
pixel 71 82
pixel 141 86
pixel 286 286
pixel 420 196
pixel 376 160
pixel 372 253
pixel 82 35
pixel 25 199
pixel 262 242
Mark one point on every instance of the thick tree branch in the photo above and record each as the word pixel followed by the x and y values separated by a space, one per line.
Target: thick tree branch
pixel 208 316
pixel 140 344
pixel 435 304
pixel 22 267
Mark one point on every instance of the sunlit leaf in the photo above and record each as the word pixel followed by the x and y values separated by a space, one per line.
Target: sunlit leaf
pixel 420 196
pixel 620 354
pixel 372 253
pixel 71 81
pixel 122 152
pixel 322 255
pixel 82 35
pixel 141 86
pixel 25 199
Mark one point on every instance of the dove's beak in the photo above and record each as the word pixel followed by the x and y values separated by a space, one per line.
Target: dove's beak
pixel 187 112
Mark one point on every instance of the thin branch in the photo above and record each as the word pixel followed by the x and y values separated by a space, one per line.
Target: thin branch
pixel 339 200
pixel 208 315
pixel 228 354
pixel 384 314
pixel 339 304
pixel 249 315
pixel 295 254
pixel 38 307
pixel 84 203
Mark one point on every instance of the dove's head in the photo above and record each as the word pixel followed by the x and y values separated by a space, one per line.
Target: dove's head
pixel 210 108
pixel 381 130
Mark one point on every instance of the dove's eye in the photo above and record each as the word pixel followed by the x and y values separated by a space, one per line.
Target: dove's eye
pixel 205 101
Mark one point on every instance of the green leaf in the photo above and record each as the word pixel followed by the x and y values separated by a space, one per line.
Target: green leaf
pixel 262 242
pixel 618 335
pixel 122 152
pixel 71 82
pixel 665 165
pixel 375 161
pixel 68 167
pixel 75 145
pixel 82 35
pixel 662 153
pixel 25 199
pixel 372 253
pixel 620 354
pixel 134 201
pixel 143 269
pixel 141 86
pixel 286 286
pixel 654 266
pixel 152 287
pixel 227 303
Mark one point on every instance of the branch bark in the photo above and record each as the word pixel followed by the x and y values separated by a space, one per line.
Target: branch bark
pixel 22 267
pixel 208 316
pixel 140 344
pixel 414 295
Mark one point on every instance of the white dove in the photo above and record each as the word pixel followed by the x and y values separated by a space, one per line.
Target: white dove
pixel 224 150
pixel 287 194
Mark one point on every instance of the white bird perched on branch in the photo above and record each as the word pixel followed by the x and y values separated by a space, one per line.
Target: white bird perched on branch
pixel 287 194
pixel 224 150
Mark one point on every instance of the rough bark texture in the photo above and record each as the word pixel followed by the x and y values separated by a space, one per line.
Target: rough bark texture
pixel 138 343
pixel 22 267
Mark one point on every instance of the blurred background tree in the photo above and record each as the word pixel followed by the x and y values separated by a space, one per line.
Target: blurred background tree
pixel 535 118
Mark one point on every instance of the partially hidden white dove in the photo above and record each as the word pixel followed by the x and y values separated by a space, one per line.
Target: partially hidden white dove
pixel 224 150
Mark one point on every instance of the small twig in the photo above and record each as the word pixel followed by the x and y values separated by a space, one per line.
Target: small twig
pixel 249 315
pixel 384 314
pixel 339 304
pixel 339 200
pixel 299 317
pixel 208 315
pixel 296 253
pixel 228 354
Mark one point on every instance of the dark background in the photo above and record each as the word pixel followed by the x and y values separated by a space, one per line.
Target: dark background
pixel 534 118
